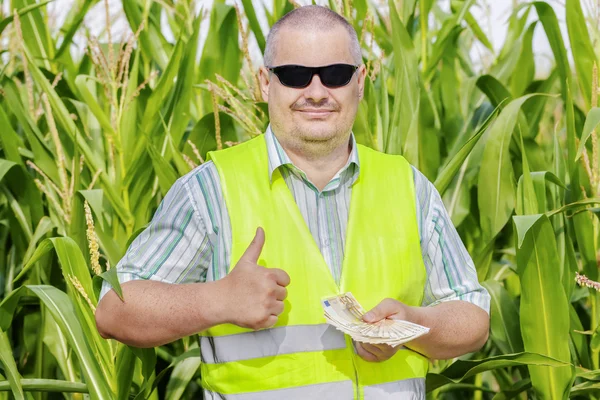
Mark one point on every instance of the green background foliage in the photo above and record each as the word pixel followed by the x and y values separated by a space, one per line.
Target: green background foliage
pixel 513 154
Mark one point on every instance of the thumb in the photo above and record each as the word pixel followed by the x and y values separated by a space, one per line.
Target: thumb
pixel 383 310
pixel 254 249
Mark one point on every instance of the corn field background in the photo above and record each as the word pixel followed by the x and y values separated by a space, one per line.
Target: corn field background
pixel 91 140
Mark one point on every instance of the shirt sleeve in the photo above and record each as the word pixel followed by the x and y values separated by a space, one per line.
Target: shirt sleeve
pixel 174 247
pixel 451 273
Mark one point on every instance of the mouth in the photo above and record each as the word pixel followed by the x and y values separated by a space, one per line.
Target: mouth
pixel 316 113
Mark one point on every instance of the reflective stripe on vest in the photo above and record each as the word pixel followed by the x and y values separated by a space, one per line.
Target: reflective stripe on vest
pixel 270 342
pixel 409 389
pixel 382 258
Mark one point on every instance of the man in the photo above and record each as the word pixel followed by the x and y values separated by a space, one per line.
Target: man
pixel 277 209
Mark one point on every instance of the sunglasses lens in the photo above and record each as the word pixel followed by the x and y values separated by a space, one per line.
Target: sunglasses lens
pixel 293 75
pixel 336 75
pixel 297 76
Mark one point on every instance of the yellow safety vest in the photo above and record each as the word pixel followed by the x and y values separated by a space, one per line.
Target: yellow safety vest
pixel 302 357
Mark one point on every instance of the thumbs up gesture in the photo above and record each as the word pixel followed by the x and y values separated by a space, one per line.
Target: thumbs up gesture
pixel 255 294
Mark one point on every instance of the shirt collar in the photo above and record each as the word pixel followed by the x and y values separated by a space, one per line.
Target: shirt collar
pixel 278 157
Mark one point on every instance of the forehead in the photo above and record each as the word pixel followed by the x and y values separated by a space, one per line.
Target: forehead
pixel 313 47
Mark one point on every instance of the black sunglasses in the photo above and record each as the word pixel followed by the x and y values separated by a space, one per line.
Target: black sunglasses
pixel 299 76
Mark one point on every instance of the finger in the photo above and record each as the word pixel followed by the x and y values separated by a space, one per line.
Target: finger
pixel 374 349
pixel 280 293
pixel 281 277
pixel 254 249
pixel 277 308
pixel 383 310
pixel 364 354
pixel 271 321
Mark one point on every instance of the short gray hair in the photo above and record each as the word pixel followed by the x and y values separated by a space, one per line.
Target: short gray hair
pixel 311 17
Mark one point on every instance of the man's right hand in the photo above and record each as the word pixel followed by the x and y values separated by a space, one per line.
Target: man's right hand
pixel 254 293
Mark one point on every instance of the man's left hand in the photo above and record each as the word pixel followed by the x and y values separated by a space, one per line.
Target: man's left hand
pixel 388 308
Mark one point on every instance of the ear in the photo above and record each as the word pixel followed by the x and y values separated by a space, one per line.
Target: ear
pixel 362 74
pixel 263 78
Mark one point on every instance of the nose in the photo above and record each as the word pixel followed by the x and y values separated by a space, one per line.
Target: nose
pixel 315 90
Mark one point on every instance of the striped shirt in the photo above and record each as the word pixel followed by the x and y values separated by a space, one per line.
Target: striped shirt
pixel 189 237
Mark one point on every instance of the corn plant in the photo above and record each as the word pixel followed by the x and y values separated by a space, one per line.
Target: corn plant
pixel 91 141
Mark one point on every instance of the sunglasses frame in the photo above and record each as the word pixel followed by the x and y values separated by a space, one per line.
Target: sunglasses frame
pixel 315 71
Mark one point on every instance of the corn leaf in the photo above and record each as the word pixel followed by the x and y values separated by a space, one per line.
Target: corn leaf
pixel 10 367
pixel 504 327
pixel 463 369
pixel 496 186
pixel 591 122
pixel 581 46
pixel 550 23
pixel 63 312
pixel 5 21
pixel 451 168
pixel 405 110
pixel 544 309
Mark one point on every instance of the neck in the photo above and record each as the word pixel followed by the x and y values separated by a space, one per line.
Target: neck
pixel 319 165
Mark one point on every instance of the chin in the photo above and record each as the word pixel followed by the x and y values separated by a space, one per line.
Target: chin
pixel 318 134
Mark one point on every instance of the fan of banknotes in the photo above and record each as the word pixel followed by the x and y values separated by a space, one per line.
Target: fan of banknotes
pixel 345 314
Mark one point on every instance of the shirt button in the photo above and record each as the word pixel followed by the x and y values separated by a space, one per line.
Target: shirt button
pixel 326 242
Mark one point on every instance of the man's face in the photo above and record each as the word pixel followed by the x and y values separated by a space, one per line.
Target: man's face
pixel 315 118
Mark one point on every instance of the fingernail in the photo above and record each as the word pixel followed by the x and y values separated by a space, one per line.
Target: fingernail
pixel 369 316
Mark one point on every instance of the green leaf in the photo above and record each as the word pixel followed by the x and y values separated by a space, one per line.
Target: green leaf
pixel 62 116
pixel 36 33
pixel 553 33
pixel 73 27
pixel 203 134
pixel 493 89
pixel 83 82
pixel 580 350
pixel 496 186
pixel 544 309
pixel 404 125
pixel 585 388
pixel 446 36
pixel 591 122
pixel 504 326
pixel 523 224
pixel 514 390
pixel 44 226
pixel 221 53
pixel 4 23
pixel 5 167
pixel 535 109
pixel 160 92
pixel 181 376
pixel 129 129
pixel 63 312
pixel 56 342
pixel 111 277
pixel 449 170
pixel 10 367
pixel 125 367
pixel 48 385
pixel 576 206
pixel 526 197
pixel 477 31
pixel 183 92
pixel 150 36
pixel 165 173
pixel 249 7
pixel 462 369
pixel 581 47
pixel 526 65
